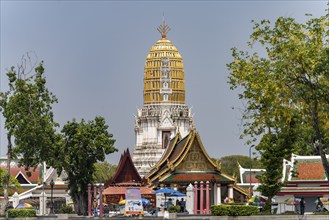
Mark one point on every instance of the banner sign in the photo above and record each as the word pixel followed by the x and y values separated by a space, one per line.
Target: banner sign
pixel 134 204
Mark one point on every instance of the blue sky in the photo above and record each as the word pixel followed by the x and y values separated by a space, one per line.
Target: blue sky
pixel 94 54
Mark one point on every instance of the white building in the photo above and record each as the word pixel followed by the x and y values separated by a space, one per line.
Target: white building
pixel 164 113
pixel 35 187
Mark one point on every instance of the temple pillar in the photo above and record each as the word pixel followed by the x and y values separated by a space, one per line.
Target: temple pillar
pixel 190 199
pixel 195 210
pixel 201 198
pixel 218 194
pixel 15 199
pixel 230 191
pixel 95 203
pixel 42 203
pixel 101 201
pixel 95 191
pixel 207 197
pixel 214 194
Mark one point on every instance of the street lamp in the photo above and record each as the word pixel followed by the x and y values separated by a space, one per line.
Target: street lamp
pixel 43 198
pixel 51 197
pixel 250 192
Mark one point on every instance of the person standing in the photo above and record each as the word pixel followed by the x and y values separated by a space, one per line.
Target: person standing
pixel 302 206
pixel 95 207
pixel 169 203
pixel 182 205
pixel 319 205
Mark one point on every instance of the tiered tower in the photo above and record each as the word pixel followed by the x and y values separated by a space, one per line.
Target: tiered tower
pixel 164 113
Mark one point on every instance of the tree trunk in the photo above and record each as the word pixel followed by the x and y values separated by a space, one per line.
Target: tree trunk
pixel 81 204
pixel 324 159
pixel 7 176
pixel 268 205
pixel 319 140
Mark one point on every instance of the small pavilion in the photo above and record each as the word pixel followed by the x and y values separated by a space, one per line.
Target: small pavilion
pixel 186 162
pixel 305 178
pixel 126 176
pixel 35 187
pixel 249 180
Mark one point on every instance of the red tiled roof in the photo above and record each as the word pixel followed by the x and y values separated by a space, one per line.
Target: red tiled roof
pixel 122 190
pixel 15 169
pixel 253 178
pixel 310 171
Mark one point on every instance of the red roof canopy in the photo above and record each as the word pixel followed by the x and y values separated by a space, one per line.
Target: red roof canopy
pixel 122 190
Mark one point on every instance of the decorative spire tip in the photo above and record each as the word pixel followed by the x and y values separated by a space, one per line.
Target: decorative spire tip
pixel 163 28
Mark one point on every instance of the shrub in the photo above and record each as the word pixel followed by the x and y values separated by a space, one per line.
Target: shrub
pixel 321 213
pixel 65 209
pixel 267 212
pixel 21 213
pixel 289 213
pixel 233 210
pixel 174 208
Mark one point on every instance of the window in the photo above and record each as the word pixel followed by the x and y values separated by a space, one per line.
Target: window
pixel 165 139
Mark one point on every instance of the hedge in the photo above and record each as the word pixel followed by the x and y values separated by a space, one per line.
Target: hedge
pixel 65 209
pixel 321 213
pixel 174 208
pixel 234 210
pixel 21 213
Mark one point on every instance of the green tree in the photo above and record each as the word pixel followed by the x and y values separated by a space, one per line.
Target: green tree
pixel 103 171
pixel 286 91
pixel 273 146
pixel 13 183
pixel 27 109
pixel 229 164
pixel 84 144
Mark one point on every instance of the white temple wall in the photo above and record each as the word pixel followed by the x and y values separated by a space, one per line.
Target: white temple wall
pixel 138 137
pixel 149 126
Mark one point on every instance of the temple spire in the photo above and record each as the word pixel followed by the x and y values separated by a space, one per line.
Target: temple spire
pixel 163 28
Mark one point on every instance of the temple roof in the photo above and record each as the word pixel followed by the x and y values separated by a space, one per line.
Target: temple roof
pixel 245 175
pixel 126 172
pixel 186 160
pixel 30 176
pixel 304 168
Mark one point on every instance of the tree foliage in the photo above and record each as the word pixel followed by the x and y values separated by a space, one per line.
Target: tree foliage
pixel 27 110
pixel 13 183
pixel 103 171
pixel 84 144
pixel 229 164
pixel 286 90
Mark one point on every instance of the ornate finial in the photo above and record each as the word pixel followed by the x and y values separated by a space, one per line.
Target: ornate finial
pixel 163 28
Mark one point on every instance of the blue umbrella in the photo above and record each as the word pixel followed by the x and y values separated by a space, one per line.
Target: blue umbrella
pixel 145 201
pixel 177 194
pixel 165 191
